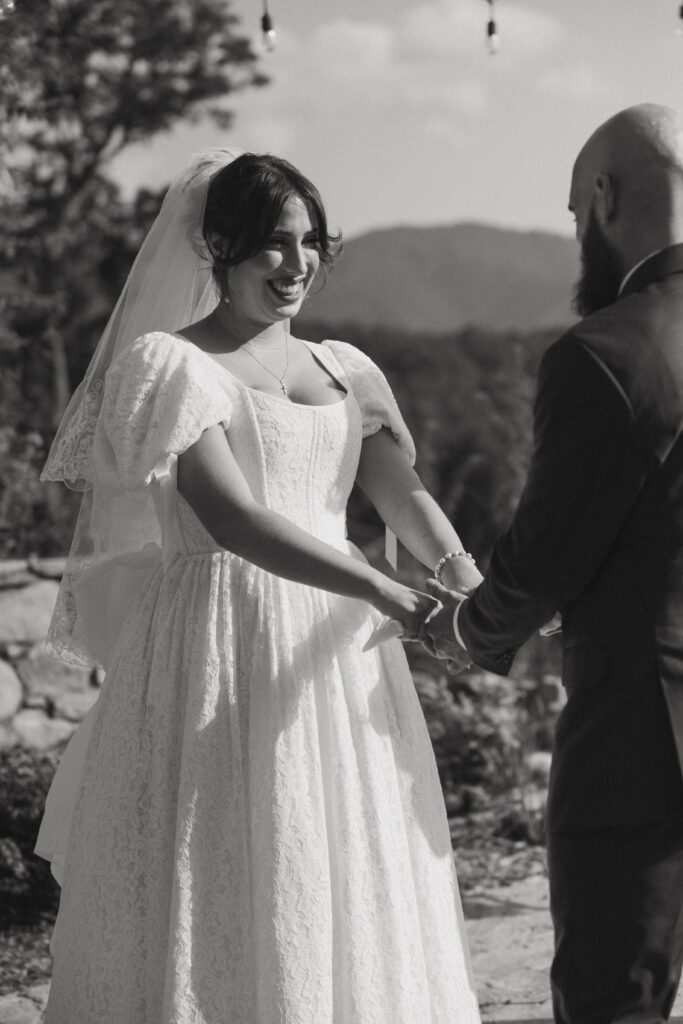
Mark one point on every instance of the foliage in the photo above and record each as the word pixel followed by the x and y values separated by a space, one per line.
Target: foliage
pixel 467 400
pixel 79 81
pixel 25 879
pixel 484 728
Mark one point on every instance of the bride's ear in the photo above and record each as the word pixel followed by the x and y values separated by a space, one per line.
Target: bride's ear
pixel 218 246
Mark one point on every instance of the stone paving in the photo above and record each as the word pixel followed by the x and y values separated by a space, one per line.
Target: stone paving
pixel 511 943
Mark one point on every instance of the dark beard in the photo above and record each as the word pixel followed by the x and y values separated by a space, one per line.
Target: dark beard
pixel 601 272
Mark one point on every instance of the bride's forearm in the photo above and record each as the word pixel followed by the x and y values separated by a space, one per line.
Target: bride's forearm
pixel 279 546
pixel 422 527
pixel 403 502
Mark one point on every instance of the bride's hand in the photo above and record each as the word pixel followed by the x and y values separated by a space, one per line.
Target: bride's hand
pixel 409 607
pixel 460 574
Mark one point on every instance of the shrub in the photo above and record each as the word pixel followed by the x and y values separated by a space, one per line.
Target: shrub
pixel 484 728
pixel 26 883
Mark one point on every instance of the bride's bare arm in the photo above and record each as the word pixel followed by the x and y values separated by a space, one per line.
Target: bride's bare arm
pixel 407 508
pixel 211 482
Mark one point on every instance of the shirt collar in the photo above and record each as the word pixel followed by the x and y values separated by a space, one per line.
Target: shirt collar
pixel 635 266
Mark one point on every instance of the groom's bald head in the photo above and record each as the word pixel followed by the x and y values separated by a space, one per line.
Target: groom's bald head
pixel 627 188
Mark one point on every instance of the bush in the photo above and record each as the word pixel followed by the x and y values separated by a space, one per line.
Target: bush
pixel 26 883
pixel 474 723
pixel 483 729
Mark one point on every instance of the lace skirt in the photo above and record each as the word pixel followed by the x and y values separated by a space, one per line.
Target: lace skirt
pixel 259 835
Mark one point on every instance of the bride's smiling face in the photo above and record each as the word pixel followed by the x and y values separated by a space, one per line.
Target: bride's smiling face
pixel 273 284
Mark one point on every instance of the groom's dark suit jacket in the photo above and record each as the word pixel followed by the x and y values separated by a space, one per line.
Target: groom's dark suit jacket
pixel 598 534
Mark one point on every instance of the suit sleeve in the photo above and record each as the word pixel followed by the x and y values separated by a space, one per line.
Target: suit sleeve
pixel 587 468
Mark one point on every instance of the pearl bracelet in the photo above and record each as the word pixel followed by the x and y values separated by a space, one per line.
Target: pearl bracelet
pixel 438 569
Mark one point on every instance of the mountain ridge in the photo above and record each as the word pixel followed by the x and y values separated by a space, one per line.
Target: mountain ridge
pixel 445 277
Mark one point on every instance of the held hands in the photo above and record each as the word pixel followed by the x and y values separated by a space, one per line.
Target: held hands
pixel 408 607
pixel 419 608
pixel 429 617
pixel 437 634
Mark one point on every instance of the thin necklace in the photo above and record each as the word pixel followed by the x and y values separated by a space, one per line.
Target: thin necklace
pixel 264 346
pixel 280 380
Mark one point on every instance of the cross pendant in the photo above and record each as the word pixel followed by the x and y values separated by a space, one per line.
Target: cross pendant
pixel 284 388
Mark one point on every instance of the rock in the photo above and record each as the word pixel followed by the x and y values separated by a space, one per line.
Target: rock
pixel 48 568
pixel 34 729
pixel 11 693
pixel 39 700
pixel 8 737
pixel 75 706
pixel 39 993
pixel 14 573
pixel 11 566
pixel 25 614
pixel 46 677
pixel 18 1010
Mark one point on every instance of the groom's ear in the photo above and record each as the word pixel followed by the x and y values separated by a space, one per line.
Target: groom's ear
pixel 605 198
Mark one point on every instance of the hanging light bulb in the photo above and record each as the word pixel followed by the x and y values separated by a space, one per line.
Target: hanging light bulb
pixel 492 37
pixel 268 32
pixel 6 8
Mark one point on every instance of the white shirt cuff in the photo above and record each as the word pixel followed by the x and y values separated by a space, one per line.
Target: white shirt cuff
pixel 456 613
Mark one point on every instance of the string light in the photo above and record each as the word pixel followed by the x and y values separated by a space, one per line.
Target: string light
pixel 492 37
pixel 6 8
pixel 267 29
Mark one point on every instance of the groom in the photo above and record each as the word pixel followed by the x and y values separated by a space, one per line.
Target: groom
pixel 598 534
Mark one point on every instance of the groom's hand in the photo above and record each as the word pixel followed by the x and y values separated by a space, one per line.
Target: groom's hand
pixel 437 633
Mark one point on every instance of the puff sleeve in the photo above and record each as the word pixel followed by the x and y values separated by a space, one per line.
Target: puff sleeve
pixel 373 394
pixel 159 396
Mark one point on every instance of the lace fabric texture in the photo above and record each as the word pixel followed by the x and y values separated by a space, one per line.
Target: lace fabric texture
pixel 259 835
pixel 170 284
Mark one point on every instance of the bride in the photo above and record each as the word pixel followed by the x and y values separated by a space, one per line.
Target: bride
pixel 249 823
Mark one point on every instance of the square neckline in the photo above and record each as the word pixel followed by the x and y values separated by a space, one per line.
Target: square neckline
pixel 266 394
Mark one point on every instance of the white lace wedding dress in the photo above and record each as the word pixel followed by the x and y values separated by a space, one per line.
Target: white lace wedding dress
pixel 260 835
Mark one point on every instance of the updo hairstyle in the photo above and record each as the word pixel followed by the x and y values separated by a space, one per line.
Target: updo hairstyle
pixel 244 203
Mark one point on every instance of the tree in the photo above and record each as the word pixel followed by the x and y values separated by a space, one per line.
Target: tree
pixel 79 81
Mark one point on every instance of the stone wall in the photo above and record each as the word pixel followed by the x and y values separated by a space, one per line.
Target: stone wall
pixel 41 700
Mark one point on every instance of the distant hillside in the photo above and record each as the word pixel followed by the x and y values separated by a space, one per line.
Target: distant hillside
pixel 443 278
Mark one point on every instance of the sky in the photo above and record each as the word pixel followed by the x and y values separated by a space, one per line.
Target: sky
pixel 399 115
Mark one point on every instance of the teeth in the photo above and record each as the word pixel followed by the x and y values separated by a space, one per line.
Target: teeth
pixel 285 289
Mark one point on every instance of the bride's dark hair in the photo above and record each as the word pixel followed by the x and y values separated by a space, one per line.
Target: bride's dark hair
pixel 243 206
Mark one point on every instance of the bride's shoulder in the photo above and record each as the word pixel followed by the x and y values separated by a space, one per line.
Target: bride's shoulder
pixel 353 359
pixel 372 393
pixel 162 363
pixel 154 353
pixel 152 345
